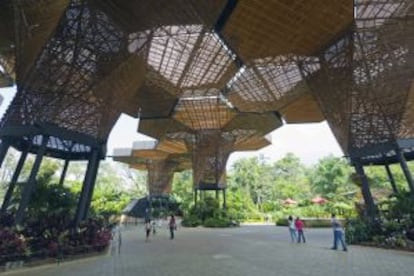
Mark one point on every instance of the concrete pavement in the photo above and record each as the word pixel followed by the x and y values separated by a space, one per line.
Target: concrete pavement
pixel 246 250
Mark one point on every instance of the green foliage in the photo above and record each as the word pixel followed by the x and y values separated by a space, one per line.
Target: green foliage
pixel 360 230
pixel 330 177
pixel 309 223
pixel 48 197
pixel 254 176
pixel 182 189
pixel 217 222
pixel 191 221
pixel 401 208
pixel 208 213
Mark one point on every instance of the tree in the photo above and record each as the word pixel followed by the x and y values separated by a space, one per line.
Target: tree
pixel 6 171
pixel 134 181
pixel 254 176
pixel 289 177
pixel 110 194
pixel 331 176
pixel 183 189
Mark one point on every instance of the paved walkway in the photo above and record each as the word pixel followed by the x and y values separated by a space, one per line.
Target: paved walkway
pixel 247 250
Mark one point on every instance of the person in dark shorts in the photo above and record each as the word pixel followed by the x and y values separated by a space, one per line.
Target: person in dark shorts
pixel 147 227
pixel 173 226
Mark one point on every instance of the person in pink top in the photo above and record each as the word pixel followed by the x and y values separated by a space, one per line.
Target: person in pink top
pixel 299 227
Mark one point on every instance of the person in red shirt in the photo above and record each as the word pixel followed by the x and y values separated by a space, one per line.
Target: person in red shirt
pixel 299 226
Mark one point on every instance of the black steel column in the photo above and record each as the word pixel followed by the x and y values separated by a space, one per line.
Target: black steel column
pixel 4 146
pixel 90 194
pixel 405 170
pixel 391 178
pixel 63 175
pixel 217 194
pixel 195 196
pixel 15 177
pixel 366 192
pixel 31 182
pixel 87 186
pixel 224 198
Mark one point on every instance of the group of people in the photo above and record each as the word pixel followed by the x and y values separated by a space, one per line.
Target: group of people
pixel 297 235
pixel 151 226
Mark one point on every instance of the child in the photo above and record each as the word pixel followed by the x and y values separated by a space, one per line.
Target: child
pixel 299 226
pixel 292 228
pixel 154 227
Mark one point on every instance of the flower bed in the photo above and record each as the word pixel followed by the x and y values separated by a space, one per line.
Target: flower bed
pixel 51 238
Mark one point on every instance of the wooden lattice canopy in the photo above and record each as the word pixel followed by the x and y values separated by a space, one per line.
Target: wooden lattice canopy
pixel 199 64
pixel 161 165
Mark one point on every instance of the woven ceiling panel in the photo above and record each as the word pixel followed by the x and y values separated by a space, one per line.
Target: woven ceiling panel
pixel 259 123
pixel 186 57
pixel 7 45
pixel 269 85
pixel 251 143
pixel 304 109
pixel 203 113
pixel 36 22
pixel 365 79
pixel 172 146
pixel 59 89
pixel 159 128
pixel 260 29
pixel 145 15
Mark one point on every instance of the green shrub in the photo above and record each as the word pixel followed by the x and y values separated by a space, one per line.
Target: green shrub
pixel 191 221
pixel 217 222
pixel 282 222
pixel 361 230
pixel 309 222
pixel 254 217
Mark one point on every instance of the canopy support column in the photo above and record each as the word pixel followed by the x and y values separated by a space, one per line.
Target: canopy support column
pixel 391 178
pixel 406 171
pixel 88 187
pixel 64 171
pixel 366 192
pixel 31 182
pixel 15 177
pixel 4 147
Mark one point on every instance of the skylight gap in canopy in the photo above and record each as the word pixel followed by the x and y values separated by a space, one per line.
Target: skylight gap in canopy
pixel 187 56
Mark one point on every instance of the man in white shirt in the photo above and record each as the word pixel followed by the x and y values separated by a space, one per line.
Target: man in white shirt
pixel 338 232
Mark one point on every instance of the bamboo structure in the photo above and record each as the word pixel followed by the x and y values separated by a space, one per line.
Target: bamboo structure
pixel 209 76
pixel 211 130
pixel 160 165
pixel 364 80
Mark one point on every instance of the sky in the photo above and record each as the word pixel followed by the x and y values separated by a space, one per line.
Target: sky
pixel 310 142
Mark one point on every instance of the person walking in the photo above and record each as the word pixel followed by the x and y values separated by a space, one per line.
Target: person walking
pixel 299 226
pixel 292 228
pixel 154 227
pixel 173 226
pixel 147 227
pixel 338 233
